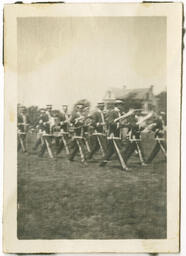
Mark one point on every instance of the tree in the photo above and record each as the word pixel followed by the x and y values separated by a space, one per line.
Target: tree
pixel 162 101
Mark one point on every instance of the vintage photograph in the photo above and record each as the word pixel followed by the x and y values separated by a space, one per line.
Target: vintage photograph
pixel 91 122
pixel 91 127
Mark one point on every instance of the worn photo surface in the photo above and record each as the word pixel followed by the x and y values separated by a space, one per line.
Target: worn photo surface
pixel 92 128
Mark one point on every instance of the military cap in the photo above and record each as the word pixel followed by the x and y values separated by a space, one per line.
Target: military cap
pixel 100 103
pixel 49 106
pixel 162 113
pixel 80 106
pixel 118 101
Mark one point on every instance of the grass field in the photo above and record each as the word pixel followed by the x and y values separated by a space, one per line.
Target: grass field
pixel 62 200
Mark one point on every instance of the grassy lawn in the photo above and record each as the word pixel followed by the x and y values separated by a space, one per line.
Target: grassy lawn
pixel 62 200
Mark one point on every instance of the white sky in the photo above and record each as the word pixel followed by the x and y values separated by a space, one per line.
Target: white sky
pixel 62 60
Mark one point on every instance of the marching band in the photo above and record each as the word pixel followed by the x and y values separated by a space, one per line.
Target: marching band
pixel 83 133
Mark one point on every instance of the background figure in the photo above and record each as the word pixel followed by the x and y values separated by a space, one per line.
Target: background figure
pixel 46 139
pixel 64 123
pixel 158 127
pixel 134 139
pixel 114 135
pixel 77 145
pixel 41 122
pixel 22 125
pixel 98 139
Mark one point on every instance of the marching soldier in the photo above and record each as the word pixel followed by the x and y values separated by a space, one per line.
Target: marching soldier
pixel 41 123
pixel 50 116
pixel 77 119
pixel 22 125
pixel 159 135
pixel 135 126
pixel 62 140
pixel 44 132
pixel 114 135
pixel 98 139
pixel 46 139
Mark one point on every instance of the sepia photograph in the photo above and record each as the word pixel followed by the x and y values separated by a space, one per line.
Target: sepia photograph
pixel 91 115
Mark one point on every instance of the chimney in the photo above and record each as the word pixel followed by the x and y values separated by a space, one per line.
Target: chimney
pixel 152 88
pixel 124 87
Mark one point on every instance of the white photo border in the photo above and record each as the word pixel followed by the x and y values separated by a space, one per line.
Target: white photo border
pixel 173 12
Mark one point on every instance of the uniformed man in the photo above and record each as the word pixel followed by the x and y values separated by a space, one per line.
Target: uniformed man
pixel 46 138
pixel 44 132
pixel 49 113
pixel 22 125
pixel 77 119
pixel 158 127
pixel 41 123
pixel 62 140
pixel 135 126
pixel 64 118
pixel 114 118
pixel 98 139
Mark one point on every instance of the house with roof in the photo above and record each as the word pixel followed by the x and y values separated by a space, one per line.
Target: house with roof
pixel 140 98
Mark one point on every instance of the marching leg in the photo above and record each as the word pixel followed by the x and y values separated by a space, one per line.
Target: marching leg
pixel 48 148
pixel 21 140
pixel 87 145
pixel 18 143
pixel 140 153
pixel 109 153
pixel 38 142
pixel 80 150
pixel 154 152
pixel 65 145
pixel 43 148
pixel 129 151
pixel 74 151
pixel 95 147
pixel 100 145
pixel 163 148
pixel 60 147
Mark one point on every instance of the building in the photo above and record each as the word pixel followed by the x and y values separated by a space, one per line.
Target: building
pixel 140 98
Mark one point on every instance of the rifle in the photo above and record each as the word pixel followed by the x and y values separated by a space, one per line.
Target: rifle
pixel 48 146
pixel 139 153
pixel 64 142
pixel 100 145
pixel 129 113
pixel 87 145
pixel 148 116
pixel 81 151
pixel 123 164
pixel 161 146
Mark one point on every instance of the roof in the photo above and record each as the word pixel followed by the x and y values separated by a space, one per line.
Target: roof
pixel 121 93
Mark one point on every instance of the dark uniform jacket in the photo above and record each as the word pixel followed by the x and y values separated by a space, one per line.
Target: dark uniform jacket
pixel 43 124
pixel 23 121
pixel 98 121
pixel 158 128
pixel 134 131
pixel 64 121
pixel 77 121
pixel 113 127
